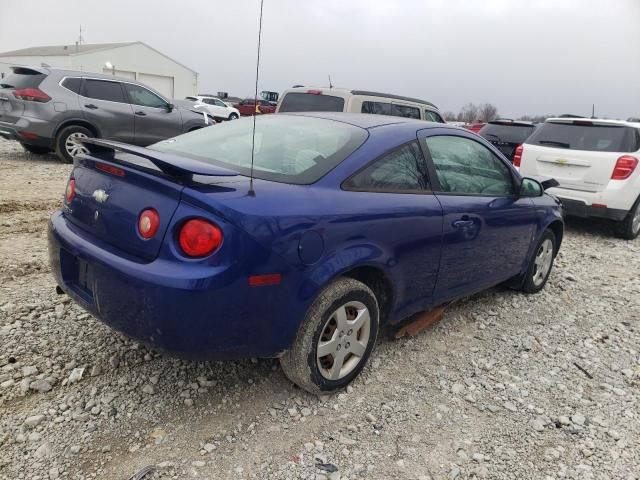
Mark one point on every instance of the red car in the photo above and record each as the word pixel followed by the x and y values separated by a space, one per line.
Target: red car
pixel 247 107
pixel 474 127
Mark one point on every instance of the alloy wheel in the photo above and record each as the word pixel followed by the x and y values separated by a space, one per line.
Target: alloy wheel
pixel 343 341
pixel 635 223
pixel 542 262
pixel 73 146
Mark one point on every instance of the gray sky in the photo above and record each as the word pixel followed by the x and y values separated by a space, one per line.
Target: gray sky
pixel 525 56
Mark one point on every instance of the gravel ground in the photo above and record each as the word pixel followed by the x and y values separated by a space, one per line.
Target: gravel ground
pixel 507 386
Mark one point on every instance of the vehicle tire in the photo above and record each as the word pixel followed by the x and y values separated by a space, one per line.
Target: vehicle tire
pixel 66 147
pixel 335 339
pixel 629 228
pixel 540 264
pixel 233 116
pixel 35 149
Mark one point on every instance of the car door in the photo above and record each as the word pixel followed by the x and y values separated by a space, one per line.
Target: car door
pixel 104 105
pixel 154 118
pixel 487 227
pixel 403 211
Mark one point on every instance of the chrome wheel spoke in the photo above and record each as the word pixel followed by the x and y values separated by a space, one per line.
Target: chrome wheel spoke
pixel 357 348
pixel 336 368
pixel 361 318
pixel 329 347
pixel 341 317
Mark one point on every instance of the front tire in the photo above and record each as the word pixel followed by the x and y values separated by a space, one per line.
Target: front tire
pixel 540 264
pixel 233 116
pixel 335 339
pixel 67 147
pixel 629 228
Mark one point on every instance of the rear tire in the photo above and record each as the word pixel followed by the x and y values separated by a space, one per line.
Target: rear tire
pixel 36 149
pixel 629 228
pixel 66 147
pixel 335 338
pixel 540 264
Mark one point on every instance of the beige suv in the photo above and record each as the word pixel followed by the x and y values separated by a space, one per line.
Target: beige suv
pixel 311 99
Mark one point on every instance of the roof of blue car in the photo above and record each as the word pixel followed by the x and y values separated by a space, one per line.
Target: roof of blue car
pixel 362 120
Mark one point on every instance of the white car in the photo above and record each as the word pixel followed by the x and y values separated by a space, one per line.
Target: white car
pixel 596 164
pixel 215 107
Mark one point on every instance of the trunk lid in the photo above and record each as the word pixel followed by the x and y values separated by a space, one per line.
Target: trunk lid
pixel 115 183
pixel 579 154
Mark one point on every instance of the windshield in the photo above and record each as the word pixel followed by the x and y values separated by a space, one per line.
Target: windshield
pixel 594 138
pixel 288 148
pixel 506 133
pixel 311 102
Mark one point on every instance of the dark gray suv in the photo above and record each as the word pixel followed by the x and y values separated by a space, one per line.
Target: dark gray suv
pixel 47 109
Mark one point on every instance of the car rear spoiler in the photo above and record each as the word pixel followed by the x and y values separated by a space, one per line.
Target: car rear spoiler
pixel 546 182
pixel 170 164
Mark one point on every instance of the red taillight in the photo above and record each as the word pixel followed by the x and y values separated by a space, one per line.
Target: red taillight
pixel 199 237
pixel 110 169
pixel 29 135
pixel 31 95
pixel 148 223
pixel 517 156
pixel 315 92
pixel 70 192
pixel 625 166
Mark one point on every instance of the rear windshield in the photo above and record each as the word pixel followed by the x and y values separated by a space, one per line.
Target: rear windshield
pixel 288 148
pixel 593 138
pixel 23 78
pixel 310 102
pixel 506 133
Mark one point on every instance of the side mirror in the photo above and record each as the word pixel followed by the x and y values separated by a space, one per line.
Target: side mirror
pixel 531 188
pixel 170 107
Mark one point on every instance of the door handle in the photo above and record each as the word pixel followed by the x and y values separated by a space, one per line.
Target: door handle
pixel 91 106
pixel 463 223
pixel 141 113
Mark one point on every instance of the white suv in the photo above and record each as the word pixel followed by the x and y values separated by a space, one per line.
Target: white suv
pixel 596 164
pixel 312 99
pixel 215 107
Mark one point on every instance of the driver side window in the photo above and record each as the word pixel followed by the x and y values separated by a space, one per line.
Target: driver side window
pixel 141 96
pixel 466 167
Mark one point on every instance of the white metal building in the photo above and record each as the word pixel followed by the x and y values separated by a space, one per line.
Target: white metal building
pixel 134 60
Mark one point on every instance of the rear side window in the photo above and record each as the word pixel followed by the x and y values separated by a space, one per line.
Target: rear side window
pixel 376 108
pixel 405 111
pixel 506 133
pixel 72 83
pixel 402 170
pixel 310 102
pixel 581 136
pixel 433 116
pixel 23 78
pixel 103 90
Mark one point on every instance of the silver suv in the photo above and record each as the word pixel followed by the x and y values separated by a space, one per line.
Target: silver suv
pixel 47 109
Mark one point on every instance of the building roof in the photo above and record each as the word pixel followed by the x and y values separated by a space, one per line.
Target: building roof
pixel 62 50
pixel 68 50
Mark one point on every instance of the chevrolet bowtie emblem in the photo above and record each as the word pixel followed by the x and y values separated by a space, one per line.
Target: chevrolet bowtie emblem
pixel 100 196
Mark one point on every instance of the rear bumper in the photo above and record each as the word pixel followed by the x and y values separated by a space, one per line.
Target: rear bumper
pixel 190 311
pixel 577 208
pixel 31 131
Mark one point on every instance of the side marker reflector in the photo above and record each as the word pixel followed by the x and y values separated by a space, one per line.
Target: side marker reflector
pixel 265 280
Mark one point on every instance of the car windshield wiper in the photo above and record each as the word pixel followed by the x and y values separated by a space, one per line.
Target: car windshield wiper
pixel 553 142
pixel 6 85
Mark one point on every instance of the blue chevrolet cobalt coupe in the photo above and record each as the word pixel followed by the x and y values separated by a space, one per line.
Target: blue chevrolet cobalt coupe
pixel 349 222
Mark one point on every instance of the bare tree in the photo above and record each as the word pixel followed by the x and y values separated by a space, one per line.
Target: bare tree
pixel 469 113
pixel 487 112
pixel 449 116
